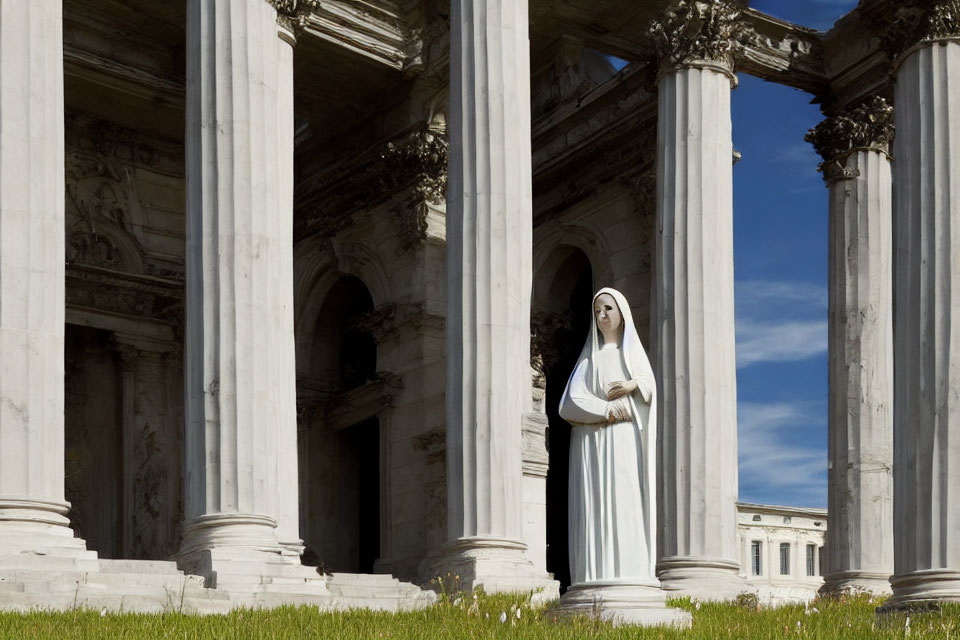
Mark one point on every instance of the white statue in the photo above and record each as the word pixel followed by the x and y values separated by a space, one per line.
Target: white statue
pixel 610 400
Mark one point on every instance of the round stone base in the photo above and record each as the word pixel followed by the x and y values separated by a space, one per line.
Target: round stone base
pixel 709 579
pixel 623 602
pixel 854 583
pixel 923 589
pixel 38 527
pixel 499 565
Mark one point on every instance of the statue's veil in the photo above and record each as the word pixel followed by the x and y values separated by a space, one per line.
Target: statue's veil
pixel 644 416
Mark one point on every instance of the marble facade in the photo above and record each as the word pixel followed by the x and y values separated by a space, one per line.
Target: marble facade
pixel 312 270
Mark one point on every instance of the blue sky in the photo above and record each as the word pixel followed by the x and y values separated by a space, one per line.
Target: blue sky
pixel 780 249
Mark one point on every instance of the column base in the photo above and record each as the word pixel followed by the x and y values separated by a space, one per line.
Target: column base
pixel 499 565
pixel 923 589
pixel 855 583
pixel 701 578
pixel 239 553
pixel 622 602
pixel 39 528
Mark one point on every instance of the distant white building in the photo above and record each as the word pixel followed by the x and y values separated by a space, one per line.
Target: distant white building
pixel 780 550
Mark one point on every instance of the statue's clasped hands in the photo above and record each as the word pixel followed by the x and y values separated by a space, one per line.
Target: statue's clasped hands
pixel 619 411
pixel 617 390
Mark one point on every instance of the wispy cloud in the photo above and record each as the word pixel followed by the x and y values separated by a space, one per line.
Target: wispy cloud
pixel 786 342
pixel 772 465
pixel 780 321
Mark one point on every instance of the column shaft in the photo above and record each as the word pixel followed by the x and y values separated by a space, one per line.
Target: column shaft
pixel 489 279
pixel 237 327
pixel 489 249
pixel 860 537
pixel 926 323
pixel 288 528
pixel 32 508
pixel 695 341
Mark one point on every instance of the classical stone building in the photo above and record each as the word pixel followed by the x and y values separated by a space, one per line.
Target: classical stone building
pixel 290 255
pixel 781 551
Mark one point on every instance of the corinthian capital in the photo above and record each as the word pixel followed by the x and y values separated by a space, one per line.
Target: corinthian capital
pixel 692 32
pixel 917 21
pixel 292 14
pixel 868 125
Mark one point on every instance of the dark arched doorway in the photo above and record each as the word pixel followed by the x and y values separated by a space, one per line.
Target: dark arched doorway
pixel 564 320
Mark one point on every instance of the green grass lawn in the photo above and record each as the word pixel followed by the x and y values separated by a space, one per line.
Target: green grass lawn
pixel 465 617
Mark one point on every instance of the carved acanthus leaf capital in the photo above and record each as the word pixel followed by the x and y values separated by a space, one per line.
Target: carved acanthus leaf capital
pixel 421 157
pixel 917 21
pixel 698 31
pixel 868 125
pixel 292 14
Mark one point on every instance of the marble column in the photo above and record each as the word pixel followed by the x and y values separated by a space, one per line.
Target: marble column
pixel 693 316
pixel 33 511
pixel 489 280
pixel 856 167
pixel 288 526
pixel 926 261
pixel 238 364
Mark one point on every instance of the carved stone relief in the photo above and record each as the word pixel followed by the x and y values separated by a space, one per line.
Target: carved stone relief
pixel 919 20
pixel 868 125
pixel 693 31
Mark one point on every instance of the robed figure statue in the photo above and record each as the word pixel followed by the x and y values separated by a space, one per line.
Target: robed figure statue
pixel 611 401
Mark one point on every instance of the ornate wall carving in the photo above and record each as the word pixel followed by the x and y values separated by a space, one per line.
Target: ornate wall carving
pixel 292 14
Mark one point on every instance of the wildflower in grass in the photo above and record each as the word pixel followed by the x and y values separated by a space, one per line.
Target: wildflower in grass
pixel 503 616
pixel 697 606
pixel 518 613
pixel 457 602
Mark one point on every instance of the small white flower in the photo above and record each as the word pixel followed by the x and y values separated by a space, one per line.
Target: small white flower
pixel 488 615
pixel 503 616
pixel 518 613
pixel 798 624
pixel 103 612
pixel 457 602
pixel 697 606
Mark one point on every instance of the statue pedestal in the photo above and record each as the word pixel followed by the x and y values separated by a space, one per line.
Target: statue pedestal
pixel 637 602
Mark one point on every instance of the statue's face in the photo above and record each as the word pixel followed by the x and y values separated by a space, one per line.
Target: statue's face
pixel 607 313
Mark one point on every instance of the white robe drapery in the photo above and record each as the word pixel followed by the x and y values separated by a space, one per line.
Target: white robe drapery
pixel 612 483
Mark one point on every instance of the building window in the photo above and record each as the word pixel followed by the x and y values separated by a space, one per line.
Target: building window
pixel 756 518
pixel 811 562
pixel 784 558
pixel 787 519
pixel 756 551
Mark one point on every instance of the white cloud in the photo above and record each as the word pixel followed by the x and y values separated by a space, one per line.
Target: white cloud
pixel 779 342
pixel 769 462
pixel 780 321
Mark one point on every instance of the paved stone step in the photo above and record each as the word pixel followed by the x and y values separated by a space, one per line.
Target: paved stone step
pixel 36 562
pixel 139 566
pixel 363 578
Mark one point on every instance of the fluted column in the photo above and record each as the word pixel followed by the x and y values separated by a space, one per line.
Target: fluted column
pixel 856 167
pixel 238 359
pixel 694 302
pixel 288 526
pixel 489 279
pixel 32 505
pixel 926 261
